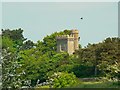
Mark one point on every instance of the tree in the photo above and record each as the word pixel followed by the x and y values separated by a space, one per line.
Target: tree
pixel 27 45
pixel 11 43
pixel 10 77
pixel 110 57
pixel 13 34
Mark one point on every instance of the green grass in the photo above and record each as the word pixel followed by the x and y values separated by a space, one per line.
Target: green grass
pixel 46 86
pixel 42 87
pixel 98 84
pixel 92 84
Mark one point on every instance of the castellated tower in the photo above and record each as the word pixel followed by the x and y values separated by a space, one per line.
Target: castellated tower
pixel 68 43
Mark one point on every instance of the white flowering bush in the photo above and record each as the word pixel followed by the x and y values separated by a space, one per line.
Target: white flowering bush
pixel 63 80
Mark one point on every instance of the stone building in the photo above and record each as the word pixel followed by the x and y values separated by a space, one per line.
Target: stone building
pixel 68 43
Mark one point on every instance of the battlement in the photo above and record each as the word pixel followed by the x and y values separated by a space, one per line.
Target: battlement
pixel 74 31
pixel 64 36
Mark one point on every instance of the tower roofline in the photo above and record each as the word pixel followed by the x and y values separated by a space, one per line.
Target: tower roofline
pixel 64 37
pixel 74 31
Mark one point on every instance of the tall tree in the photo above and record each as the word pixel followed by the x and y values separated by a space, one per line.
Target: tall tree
pixel 10 78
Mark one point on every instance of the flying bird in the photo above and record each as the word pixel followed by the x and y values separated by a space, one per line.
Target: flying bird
pixel 81 18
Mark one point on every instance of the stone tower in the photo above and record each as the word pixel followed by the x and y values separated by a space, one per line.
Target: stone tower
pixel 68 43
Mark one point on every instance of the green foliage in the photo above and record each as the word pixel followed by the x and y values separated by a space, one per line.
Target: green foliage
pixel 13 34
pixel 65 68
pixel 57 61
pixel 37 66
pixel 103 57
pixel 24 62
pixel 33 65
pixel 63 80
pixel 82 71
pixel 10 77
pixel 27 45
pixel 7 44
pixel 11 42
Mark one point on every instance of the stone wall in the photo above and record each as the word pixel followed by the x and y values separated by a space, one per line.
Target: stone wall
pixel 68 43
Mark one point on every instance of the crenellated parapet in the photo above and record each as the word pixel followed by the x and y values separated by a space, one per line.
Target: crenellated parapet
pixel 64 36
pixel 73 31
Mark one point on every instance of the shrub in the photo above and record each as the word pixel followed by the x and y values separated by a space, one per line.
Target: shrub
pixel 63 80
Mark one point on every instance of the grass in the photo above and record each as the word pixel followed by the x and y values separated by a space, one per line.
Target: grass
pixel 46 86
pixel 92 84
pixel 106 84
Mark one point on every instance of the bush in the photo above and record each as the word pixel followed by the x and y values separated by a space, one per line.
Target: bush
pixel 63 80
pixel 83 71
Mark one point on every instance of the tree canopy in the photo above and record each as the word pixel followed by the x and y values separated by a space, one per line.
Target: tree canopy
pixel 25 62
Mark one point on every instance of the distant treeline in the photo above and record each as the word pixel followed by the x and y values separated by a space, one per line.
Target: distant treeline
pixel 25 63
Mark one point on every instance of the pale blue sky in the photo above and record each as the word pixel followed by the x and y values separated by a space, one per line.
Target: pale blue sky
pixel 41 19
pixel 60 0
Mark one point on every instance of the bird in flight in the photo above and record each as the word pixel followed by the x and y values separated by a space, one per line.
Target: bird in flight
pixel 81 18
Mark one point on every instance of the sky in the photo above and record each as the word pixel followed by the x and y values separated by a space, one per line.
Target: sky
pixel 60 0
pixel 38 19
